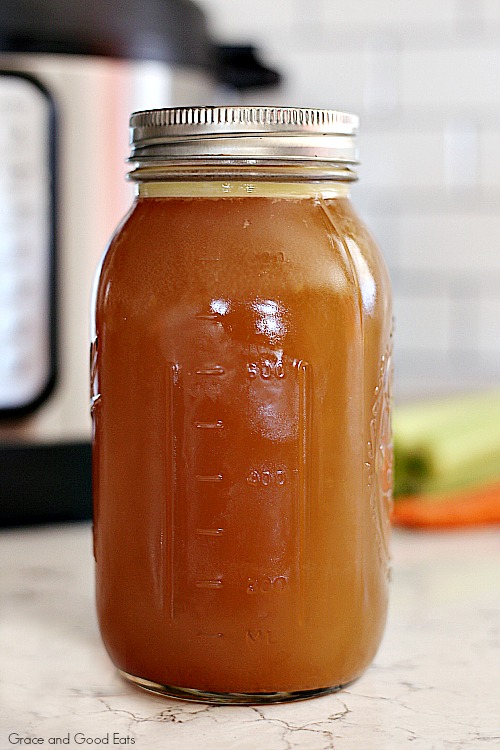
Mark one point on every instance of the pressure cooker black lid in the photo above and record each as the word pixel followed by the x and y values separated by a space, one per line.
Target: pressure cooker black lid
pixel 173 31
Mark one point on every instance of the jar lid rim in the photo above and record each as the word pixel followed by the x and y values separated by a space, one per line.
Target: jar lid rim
pixel 246 119
pixel 234 131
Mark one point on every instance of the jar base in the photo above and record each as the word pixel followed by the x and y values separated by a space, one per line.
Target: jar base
pixel 242 699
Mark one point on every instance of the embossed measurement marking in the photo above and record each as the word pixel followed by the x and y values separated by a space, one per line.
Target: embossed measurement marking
pixel 266 584
pixel 266 369
pixel 207 316
pixel 210 635
pixel 303 504
pixel 217 370
pixel 167 536
pixel 259 636
pixel 286 483
pixel 209 584
pixel 265 477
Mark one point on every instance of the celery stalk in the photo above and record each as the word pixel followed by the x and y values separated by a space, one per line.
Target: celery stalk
pixel 448 444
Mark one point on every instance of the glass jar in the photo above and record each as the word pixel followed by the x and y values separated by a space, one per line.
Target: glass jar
pixel 241 368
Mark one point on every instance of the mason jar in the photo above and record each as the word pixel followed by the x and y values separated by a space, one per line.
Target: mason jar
pixel 241 371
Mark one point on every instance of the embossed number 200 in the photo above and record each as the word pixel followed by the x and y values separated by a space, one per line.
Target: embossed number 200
pixel 265 584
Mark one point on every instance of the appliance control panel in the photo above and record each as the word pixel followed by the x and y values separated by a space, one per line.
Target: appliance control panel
pixel 27 244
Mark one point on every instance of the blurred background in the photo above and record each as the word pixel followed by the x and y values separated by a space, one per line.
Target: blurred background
pixel 424 78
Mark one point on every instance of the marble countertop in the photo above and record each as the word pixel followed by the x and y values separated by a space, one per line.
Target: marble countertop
pixel 435 683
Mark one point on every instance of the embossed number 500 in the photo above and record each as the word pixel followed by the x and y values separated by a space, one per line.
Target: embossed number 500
pixel 266 369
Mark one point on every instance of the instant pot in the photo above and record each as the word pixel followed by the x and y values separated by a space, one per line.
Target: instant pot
pixel 70 75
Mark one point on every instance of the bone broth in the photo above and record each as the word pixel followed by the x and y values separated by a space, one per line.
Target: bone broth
pixel 240 373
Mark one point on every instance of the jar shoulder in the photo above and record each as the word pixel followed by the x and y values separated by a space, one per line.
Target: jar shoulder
pixel 246 249
pixel 371 269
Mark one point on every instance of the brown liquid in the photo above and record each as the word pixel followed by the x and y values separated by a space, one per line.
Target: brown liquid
pixel 242 449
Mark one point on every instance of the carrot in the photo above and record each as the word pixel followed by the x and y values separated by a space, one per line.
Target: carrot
pixel 474 507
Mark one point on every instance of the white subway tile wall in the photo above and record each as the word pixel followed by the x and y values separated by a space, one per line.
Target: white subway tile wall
pixel 425 79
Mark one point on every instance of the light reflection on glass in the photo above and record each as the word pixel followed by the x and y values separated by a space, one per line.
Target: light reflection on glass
pixel 367 285
pixel 270 321
pixel 220 306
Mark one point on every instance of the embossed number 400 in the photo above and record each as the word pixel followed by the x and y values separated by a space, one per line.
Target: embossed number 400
pixel 265 477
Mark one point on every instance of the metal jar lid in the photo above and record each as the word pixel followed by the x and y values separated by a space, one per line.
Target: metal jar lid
pixel 255 135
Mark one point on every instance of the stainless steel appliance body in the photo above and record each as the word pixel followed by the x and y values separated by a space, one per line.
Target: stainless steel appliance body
pixel 69 77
